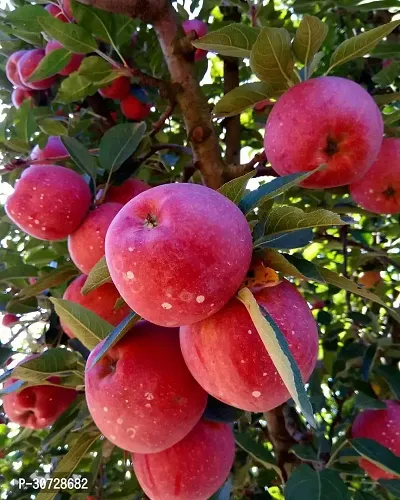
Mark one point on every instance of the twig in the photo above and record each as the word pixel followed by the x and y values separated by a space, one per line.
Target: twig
pixel 234 171
pixel 157 126
pixel 344 230
pixel 160 147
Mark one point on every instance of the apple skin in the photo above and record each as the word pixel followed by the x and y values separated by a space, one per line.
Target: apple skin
pixel 86 244
pixel 369 278
pixel 38 406
pixel 228 358
pixel 9 320
pixel 140 394
pixel 379 190
pixel 74 63
pixel 19 95
pixel 67 8
pixel 381 426
pixel 27 65
pixel 101 301
pixel 201 30
pixel 12 69
pixel 118 89
pixel 134 109
pixel 170 253
pixel 193 469
pixel 56 12
pixel 49 202
pixel 320 113
pixel 126 191
pixel 53 149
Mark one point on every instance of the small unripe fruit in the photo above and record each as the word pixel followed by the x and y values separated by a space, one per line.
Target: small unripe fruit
pixel 201 30
pixel 12 69
pixel 101 301
pixel 118 89
pixel 53 149
pixel 140 394
pixel 86 244
pixel 27 65
pixel 56 12
pixel 19 95
pixel 193 469
pixel 134 109
pixel 49 202
pixel 9 320
pixel 381 426
pixel 74 63
pixel 126 191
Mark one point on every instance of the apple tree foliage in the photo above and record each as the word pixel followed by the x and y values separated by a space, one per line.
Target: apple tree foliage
pixel 325 244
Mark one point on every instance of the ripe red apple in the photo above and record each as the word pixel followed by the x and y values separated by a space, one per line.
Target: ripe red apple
pixel 126 191
pixel 381 426
pixel 193 469
pixel 369 278
pixel 49 202
pixel 327 120
pixel 318 304
pixel 27 65
pixel 227 357
pixel 171 255
pixel 19 95
pixel 379 190
pixel 101 301
pixel 118 89
pixel 86 244
pixel 9 320
pixel 38 406
pixel 74 63
pixel 134 109
pixel 56 12
pixel 260 106
pixel 53 149
pixel 12 69
pixel 141 394
pixel 67 8
pixel 201 30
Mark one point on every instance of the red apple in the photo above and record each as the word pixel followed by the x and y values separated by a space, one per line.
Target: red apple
pixel 53 149
pixel 134 109
pixel 193 469
pixel 141 394
pixel 12 69
pixel 9 320
pixel 32 281
pixel 19 95
pixel 381 426
pixel 27 65
pixel 74 63
pixel 171 255
pixel 201 30
pixel 118 89
pixel 369 278
pixel 38 406
pixel 327 120
pixel 49 202
pixel 56 12
pixel 126 191
pixel 67 8
pixel 86 244
pixel 379 190
pixel 101 301
pixel 227 357
pixel 260 106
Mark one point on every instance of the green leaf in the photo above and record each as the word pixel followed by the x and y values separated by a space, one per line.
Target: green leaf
pixel 391 376
pixel 387 75
pixel 246 96
pixel 99 275
pixel 81 156
pixel 305 452
pixel 53 127
pixel 98 22
pixel 87 327
pixel 392 118
pixel 27 18
pixel 116 335
pixel 382 99
pixel 70 35
pixel 378 454
pixel 308 39
pixel 325 484
pixel 74 88
pixel 119 143
pixel 365 401
pixel 98 71
pixel 361 45
pixel 5 353
pixel 24 122
pixel 290 265
pixel 286 241
pixel 21 271
pixel 271 58
pixel 278 349
pixel 235 40
pixel 54 278
pixel 234 189
pixel 313 66
pixel 51 64
pixel 71 460
pixel 392 485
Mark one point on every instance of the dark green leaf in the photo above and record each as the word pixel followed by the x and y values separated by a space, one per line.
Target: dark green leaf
pixel 391 375
pixel 235 188
pixel 305 452
pixel 392 485
pixel 81 156
pixel 22 271
pixel 387 75
pixel 365 401
pixel 378 454
pixel 305 482
pixel 286 241
pixel 54 278
pixel 257 450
